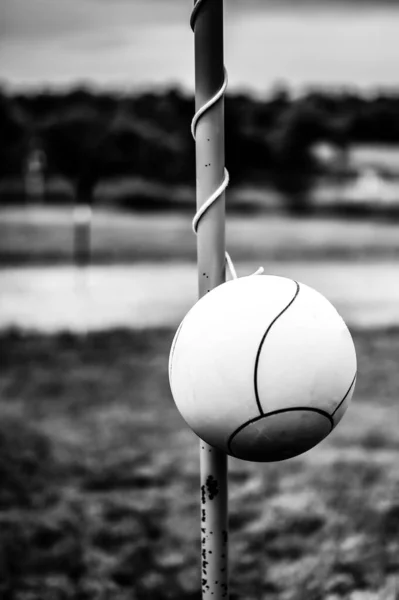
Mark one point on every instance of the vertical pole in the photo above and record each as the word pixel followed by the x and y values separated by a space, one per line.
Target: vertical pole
pixel 209 77
pixel 82 217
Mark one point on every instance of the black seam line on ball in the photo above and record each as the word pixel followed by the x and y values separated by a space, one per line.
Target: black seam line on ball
pixel 277 412
pixel 261 345
pixel 346 395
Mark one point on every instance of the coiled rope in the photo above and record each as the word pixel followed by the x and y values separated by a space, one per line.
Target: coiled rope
pixel 219 191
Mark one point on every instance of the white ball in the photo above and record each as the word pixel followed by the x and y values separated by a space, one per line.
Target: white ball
pixel 262 367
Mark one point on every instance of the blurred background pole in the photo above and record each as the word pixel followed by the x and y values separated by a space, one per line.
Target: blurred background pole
pixel 82 224
pixel 82 216
pixel 34 174
pixel 209 77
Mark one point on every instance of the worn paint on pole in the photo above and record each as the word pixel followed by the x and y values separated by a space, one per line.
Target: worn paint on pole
pixel 207 22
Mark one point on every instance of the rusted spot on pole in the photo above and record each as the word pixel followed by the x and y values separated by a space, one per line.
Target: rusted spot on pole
pixel 212 487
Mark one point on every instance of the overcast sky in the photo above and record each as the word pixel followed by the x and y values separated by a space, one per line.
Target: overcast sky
pixel 139 43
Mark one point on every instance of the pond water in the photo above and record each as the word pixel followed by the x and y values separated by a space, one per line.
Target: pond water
pixel 143 295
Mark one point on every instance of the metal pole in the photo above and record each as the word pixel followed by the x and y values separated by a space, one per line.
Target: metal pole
pixel 207 22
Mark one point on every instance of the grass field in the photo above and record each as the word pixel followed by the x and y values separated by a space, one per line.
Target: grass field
pixel 37 235
pixel 99 494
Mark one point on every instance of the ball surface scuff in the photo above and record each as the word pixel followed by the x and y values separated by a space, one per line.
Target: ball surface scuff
pixel 263 368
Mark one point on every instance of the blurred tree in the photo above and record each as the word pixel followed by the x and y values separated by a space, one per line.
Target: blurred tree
pixel 88 136
pixel 141 148
pixel 376 121
pixel 14 137
pixel 248 156
pixel 294 165
pixel 72 139
pixel 165 119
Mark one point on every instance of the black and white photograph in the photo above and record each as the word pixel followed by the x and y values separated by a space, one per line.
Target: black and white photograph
pixel 199 300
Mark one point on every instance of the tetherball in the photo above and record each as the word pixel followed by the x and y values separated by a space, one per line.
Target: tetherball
pixel 263 368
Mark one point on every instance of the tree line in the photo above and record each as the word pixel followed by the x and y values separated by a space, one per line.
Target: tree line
pixel 89 136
